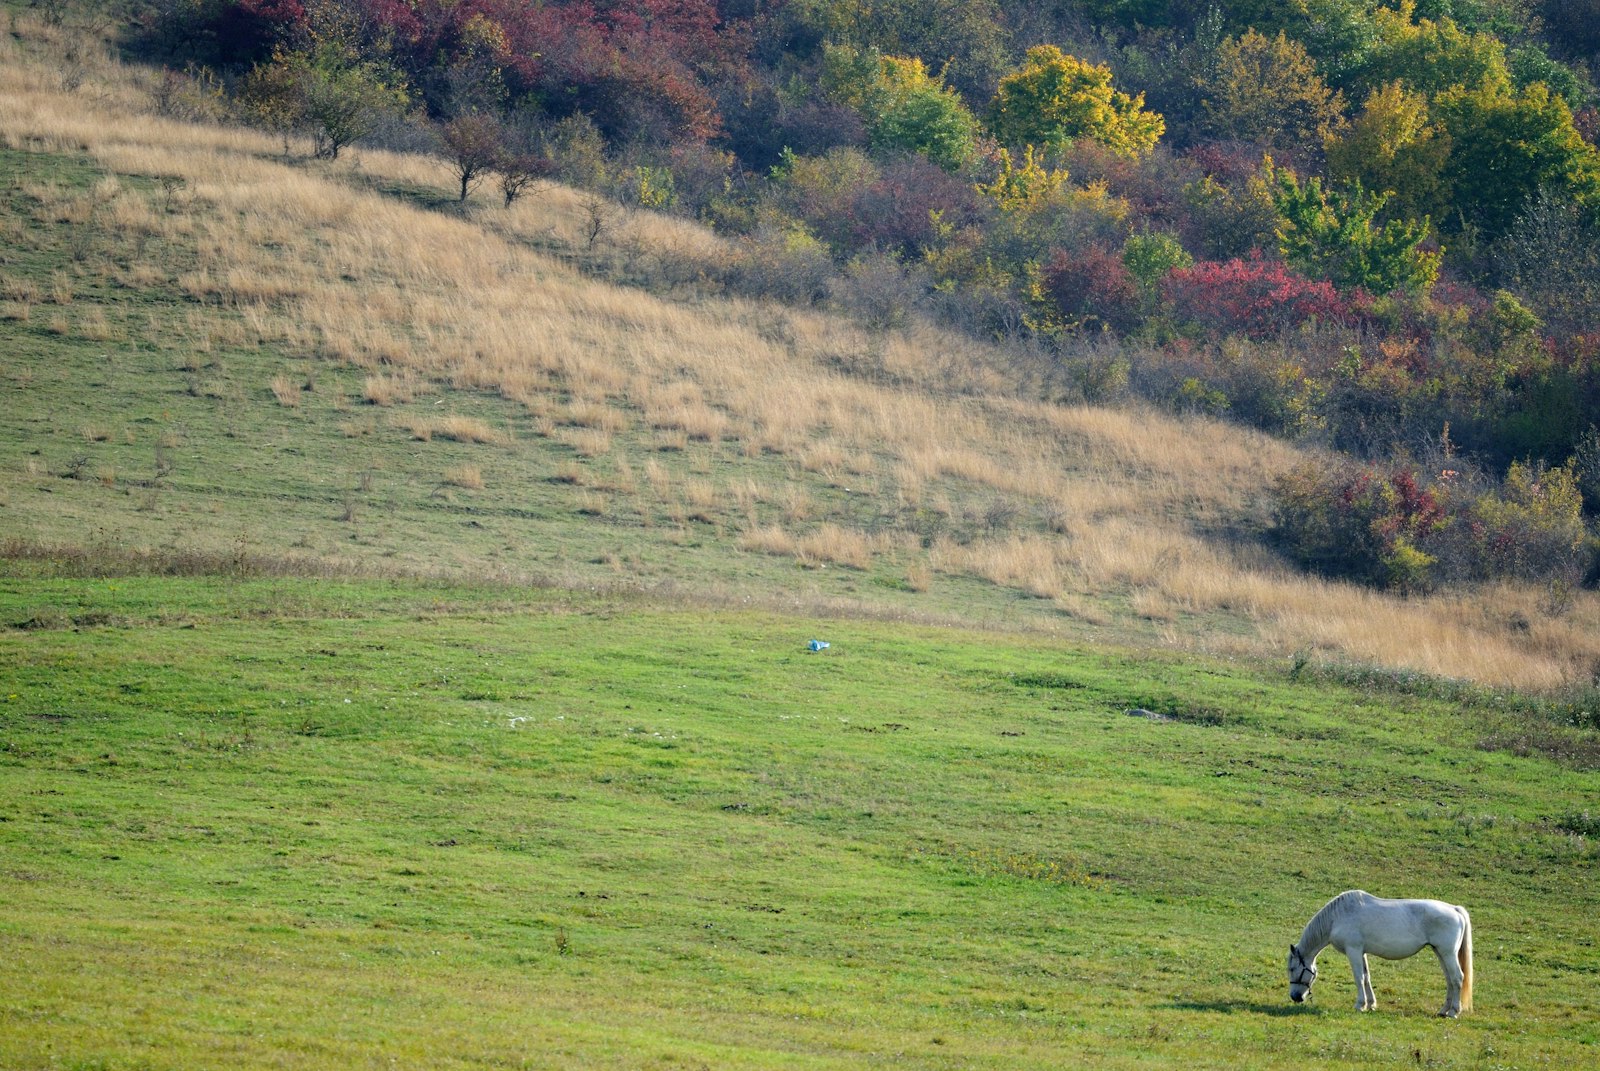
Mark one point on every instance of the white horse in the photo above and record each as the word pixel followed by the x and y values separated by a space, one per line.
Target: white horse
pixel 1357 923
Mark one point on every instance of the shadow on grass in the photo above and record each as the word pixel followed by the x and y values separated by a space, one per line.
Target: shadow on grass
pixel 1253 1007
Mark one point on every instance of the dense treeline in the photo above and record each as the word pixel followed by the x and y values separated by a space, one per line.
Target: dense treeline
pixel 1371 225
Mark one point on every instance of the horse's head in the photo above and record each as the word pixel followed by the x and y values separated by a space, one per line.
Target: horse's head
pixel 1302 975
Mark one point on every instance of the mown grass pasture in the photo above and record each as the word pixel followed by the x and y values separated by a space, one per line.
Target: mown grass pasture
pixel 303 823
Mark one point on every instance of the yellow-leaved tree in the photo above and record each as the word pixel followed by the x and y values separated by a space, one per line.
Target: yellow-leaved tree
pixel 1054 98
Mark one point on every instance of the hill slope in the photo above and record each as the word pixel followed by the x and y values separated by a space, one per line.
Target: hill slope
pixel 228 350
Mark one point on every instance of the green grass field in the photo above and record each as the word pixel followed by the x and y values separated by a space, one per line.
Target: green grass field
pixel 296 823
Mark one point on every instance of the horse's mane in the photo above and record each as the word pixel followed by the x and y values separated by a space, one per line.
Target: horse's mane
pixel 1316 932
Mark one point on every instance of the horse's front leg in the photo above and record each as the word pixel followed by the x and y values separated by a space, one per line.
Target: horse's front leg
pixel 1365 999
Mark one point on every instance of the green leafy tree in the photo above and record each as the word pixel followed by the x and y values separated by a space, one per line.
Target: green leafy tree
pixel 1149 257
pixel 1335 235
pixel 1431 56
pixel 1268 91
pixel 1506 147
pixel 345 103
pixel 1054 98
pixel 1531 63
pixel 327 90
pixel 903 106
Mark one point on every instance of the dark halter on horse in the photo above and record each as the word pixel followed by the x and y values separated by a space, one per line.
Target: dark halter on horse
pixel 1308 971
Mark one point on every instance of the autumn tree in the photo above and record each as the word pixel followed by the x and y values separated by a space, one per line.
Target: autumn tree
pixel 1394 147
pixel 518 170
pixel 1054 98
pixel 1267 91
pixel 1230 220
pixel 1090 289
pixel 1431 56
pixel 965 38
pixel 1255 297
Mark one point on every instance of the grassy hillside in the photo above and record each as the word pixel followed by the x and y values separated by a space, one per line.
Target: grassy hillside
pixel 299 823
pixel 209 345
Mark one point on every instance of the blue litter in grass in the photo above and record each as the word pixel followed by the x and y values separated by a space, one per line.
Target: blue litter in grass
pixel 819 645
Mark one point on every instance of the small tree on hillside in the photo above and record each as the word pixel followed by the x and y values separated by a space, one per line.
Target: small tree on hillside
pixel 337 99
pixel 472 145
pixel 519 170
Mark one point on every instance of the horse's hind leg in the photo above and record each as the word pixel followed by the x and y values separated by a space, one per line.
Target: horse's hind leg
pixel 1452 982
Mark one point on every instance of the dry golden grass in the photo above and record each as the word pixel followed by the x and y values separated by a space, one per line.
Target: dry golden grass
pixel 469 477
pixel 767 539
pixel 21 291
pixel 459 428
pixel 394 388
pixel 587 442
pixel 701 495
pixel 1096 502
pixel 1035 564
pixel 287 390
pixel 832 544
pixel 94 326
pixel 596 415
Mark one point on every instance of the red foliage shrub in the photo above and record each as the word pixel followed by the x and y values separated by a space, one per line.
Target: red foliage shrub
pixel 896 213
pixel 1092 287
pixel 1259 298
pixel 1229 162
pixel 1356 523
pixel 643 69
pixel 1152 184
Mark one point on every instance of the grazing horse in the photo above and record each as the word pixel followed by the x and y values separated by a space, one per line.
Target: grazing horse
pixel 1357 923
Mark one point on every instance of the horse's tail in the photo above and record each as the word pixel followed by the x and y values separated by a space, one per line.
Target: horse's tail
pixel 1464 958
